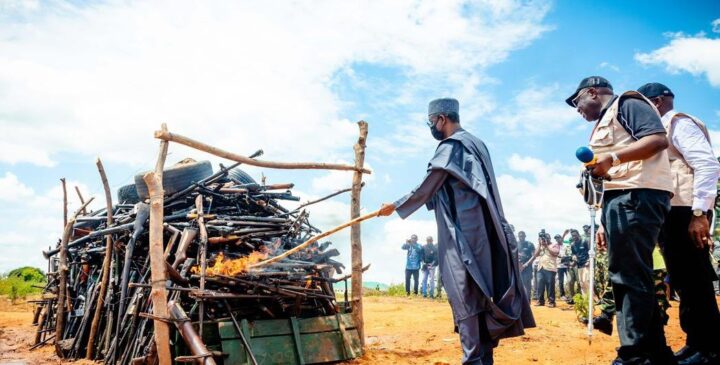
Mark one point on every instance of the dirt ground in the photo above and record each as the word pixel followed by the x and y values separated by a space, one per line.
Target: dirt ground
pixel 402 331
pixel 420 331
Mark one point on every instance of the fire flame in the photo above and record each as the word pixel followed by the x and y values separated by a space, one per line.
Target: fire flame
pixel 233 267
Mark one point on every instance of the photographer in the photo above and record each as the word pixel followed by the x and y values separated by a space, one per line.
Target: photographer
pixel 564 261
pixel 547 268
pixel 412 264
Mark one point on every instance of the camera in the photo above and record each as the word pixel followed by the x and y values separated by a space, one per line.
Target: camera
pixel 543 237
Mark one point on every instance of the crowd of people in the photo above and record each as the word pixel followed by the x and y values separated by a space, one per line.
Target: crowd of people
pixel 422 258
pixel 656 175
pixel 564 265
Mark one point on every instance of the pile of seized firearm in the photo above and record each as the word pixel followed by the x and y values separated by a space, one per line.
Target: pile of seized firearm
pixel 217 229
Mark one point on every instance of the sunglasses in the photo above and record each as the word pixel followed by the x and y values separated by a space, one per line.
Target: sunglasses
pixel 575 100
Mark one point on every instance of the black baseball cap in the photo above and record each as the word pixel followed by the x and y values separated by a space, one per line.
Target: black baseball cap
pixel 655 89
pixel 592 81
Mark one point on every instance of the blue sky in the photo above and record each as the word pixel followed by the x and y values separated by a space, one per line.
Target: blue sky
pixel 95 79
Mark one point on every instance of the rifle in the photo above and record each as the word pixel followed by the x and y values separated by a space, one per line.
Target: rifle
pixel 143 213
pixel 188 333
pixel 187 236
pixel 91 235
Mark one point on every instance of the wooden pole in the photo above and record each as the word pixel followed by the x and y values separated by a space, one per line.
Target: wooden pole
pixel 203 257
pixel 355 238
pixel 82 201
pixel 62 281
pixel 65 212
pixel 158 273
pixel 106 262
pixel 172 137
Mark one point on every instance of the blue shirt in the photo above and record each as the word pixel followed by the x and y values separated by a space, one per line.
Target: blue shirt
pixel 414 256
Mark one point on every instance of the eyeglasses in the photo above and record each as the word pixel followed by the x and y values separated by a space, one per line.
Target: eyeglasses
pixel 430 121
pixel 575 100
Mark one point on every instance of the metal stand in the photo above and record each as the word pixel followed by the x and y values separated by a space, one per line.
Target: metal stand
pixel 593 190
pixel 591 284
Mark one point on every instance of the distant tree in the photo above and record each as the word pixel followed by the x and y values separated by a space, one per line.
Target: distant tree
pixel 28 273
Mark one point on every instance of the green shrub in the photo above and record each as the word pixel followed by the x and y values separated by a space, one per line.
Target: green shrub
pixel 581 306
pixel 21 282
pixel 396 290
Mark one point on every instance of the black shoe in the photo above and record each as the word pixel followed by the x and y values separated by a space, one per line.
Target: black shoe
pixel 632 361
pixel 700 357
pixel 684 353
pixel 603 324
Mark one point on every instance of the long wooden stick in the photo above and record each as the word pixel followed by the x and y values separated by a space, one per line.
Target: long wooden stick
pixel 314 239
pixel 322 199
pixel 82 201
pixel 203 256
pixel 355 238
pixel 172 137
pixel 158 273
pixel 106 262
pixel 65 212
pixel 62 282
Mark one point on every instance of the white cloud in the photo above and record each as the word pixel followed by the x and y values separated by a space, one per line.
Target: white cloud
pixel 337 180
pixel 101 78
pixel 12 190
pixel 697 55
pixel 537 110
pixel 716 25
pixel 609 66
pixel 36 219
pixel 547 198
pixel 386 254
pixel 715 138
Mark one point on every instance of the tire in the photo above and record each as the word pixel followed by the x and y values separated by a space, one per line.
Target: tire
pixel 241 176
pixel 176 178
pixel 127 194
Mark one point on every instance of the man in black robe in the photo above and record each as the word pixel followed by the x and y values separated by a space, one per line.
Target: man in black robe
pixel 477 250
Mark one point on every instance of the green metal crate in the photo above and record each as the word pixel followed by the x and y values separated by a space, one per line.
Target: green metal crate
pixel 292 341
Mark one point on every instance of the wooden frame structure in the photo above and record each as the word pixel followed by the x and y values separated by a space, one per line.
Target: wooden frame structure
pixel 157 261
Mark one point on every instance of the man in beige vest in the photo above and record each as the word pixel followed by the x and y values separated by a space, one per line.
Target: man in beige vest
pixel 685 235
pixel 629 142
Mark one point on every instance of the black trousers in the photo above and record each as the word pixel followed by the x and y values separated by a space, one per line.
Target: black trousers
pixel 561 273
pixel 414 274
pixel 535 291
pixel 633 220
pixel 477 346
pixel 546 284
pixel 692 276
pixel 526 276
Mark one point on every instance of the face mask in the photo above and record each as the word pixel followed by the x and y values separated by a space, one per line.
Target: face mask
pixel 436 133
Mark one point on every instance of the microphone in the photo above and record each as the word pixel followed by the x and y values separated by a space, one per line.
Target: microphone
pixel 586 156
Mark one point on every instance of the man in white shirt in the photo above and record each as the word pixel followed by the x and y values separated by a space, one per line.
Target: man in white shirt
pixel 685 236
